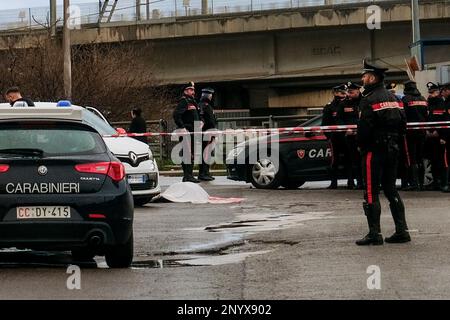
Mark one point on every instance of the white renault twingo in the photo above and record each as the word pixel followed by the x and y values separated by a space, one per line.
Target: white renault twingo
pixel 140 167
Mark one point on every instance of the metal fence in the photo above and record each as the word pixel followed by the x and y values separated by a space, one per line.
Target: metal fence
pixel 126 10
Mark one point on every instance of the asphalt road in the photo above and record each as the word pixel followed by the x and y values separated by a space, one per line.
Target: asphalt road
pixel 283 244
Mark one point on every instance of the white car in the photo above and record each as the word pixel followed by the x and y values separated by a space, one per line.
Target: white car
pixel 140 167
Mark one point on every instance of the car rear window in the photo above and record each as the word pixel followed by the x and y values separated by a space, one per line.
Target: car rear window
pixel 53 140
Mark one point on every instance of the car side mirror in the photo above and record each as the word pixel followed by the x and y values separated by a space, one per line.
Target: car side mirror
pixel 121 131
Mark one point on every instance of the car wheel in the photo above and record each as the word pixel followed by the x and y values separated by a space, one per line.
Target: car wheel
pixel 288 184
pixel 121 255
pixel 428 175
pixel 142 201
pixel 266 175
pixel 84 254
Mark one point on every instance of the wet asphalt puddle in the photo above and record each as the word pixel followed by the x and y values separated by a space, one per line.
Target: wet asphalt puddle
pixel 229 246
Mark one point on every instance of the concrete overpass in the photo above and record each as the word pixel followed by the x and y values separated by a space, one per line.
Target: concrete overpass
pixel 273 58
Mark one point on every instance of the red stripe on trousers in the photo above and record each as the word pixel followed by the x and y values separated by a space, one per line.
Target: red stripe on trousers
pixel 369 177
pixel 408 159
pixel 445 158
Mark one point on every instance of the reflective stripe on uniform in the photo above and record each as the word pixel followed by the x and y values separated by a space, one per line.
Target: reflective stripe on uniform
pixel 369 177
pixel 387 105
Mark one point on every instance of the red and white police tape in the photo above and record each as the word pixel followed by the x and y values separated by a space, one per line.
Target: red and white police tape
pixel 334 128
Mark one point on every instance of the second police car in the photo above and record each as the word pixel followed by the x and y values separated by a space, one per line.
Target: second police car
pixel 61 188
pixel 301 157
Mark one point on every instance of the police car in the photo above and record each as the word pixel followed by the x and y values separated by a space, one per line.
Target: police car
pixel 299 157
pixel 61 188
pixel 141 169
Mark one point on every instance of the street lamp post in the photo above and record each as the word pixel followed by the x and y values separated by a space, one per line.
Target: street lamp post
pixel 53 17
pixel 67 53
pixel 416 48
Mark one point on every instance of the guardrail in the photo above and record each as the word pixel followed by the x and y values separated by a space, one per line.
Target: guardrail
pixel 26 19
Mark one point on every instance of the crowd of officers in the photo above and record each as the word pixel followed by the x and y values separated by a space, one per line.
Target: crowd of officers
pixel 186 114
pixel 344 109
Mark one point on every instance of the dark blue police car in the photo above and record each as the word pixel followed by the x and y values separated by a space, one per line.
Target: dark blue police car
pixel 300 157
pixel 61 188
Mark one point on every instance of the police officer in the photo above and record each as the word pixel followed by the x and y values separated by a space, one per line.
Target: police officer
pixel 13 95
pixel 416 110
pixel 206 108
pixel 438 138
pixel 380 128
pixel 446 95
pixel 185 115
pixel 336 139
pixel 138 124
pixel 348 114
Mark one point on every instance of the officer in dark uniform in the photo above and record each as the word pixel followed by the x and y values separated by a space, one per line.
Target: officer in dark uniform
pixel 446 95
pixel 13 95
pixel 138 124
pixel 206 108
pixel 348 114
pixel 403 163
pixel 336 139
pixel 380 128
pixel 185 115
pixel 438 138
pixel 416 110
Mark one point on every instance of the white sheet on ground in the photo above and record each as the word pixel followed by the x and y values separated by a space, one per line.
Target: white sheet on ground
pixel 192 192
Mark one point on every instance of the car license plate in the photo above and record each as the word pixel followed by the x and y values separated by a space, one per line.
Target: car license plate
pixel 43 212
pixel 137 178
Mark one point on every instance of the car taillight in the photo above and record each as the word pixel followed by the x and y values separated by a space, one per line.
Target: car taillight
pixel 115 170
pixel 4 168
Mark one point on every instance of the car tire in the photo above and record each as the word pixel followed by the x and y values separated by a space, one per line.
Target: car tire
pixel 428 174
pixel 121 255
pixel 264 174
pixel 83 254
pixel 292 185
pixel 142 201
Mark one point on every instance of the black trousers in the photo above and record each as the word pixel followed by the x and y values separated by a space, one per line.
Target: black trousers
pixel 380 168
pixel 439 160
pixel 339 155
pixel 354 156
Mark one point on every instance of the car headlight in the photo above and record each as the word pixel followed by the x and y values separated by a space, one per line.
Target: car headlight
pixel 150 155
pixel 235 152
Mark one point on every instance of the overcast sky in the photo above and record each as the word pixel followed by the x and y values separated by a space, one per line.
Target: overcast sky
pixel 15 4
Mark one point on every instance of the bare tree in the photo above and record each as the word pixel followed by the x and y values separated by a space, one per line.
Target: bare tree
pixel 104 76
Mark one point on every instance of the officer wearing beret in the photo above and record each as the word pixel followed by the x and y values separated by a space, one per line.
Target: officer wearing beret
pixel 348 114
pixel 206 109
pixel 437 138
pixel 185 115
pixel 336 139
pixel 380 129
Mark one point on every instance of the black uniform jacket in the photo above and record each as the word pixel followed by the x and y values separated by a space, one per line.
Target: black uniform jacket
pixel 186 113
pixel 381 115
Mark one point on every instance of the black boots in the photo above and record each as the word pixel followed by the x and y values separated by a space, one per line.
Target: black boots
pixel 401 234
pixel 203 173
pixel 398 238
pixel 374 237
pixel 187 173
pixel 414 182
pixel 444 181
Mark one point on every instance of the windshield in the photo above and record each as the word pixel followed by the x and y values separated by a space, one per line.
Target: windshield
pixel 44 141
pixel 95 121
